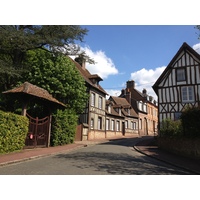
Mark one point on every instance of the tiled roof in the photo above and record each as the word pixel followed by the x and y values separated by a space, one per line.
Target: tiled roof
pixel 87 76
pixel 124 104
pixel 30 89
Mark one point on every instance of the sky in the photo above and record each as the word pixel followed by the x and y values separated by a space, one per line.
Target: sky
pixel 134 52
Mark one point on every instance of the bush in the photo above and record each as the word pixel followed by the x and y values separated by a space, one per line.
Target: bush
pixel 171 128
pixel 191 121
pixel 64 124
pixel 13 131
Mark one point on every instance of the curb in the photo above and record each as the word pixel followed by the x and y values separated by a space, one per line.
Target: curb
pixel 40 156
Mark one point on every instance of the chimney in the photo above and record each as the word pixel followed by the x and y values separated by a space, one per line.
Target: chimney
pixel 130 84
pixel 81 61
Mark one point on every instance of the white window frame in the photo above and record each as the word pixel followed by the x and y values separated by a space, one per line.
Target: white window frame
pixel 187 94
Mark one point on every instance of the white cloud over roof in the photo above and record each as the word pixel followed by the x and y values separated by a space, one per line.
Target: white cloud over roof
pixel 104 66
pixel 145 78
pixel 196 47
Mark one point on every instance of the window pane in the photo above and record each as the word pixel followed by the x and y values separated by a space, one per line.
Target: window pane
pixel 180 74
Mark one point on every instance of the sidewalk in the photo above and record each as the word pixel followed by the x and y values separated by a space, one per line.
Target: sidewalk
pixel 145 147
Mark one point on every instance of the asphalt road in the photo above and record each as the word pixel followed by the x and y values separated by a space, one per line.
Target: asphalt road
pixel 113 158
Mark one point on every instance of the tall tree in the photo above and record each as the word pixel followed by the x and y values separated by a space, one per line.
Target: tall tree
pixel 17 40
pixel 59 76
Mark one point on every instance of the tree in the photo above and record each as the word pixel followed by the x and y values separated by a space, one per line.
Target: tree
pixel 59 76
pixel 17 40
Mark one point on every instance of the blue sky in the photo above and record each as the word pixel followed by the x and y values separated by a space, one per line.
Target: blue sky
pixel 134 52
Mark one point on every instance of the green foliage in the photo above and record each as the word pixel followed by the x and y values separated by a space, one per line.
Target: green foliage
pixel 171 128
pixel 63 127
pixel 13 131
pixel 59 76
pixel 191 121
pixel 17 40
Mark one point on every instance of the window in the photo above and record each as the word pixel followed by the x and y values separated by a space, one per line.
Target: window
pixel 126 124
pixel 177 115
pixel 92 123
pixel 99 123
pixel 134 125
pixel 112 125
pixel 100 102
pixel 92 99
pixel 187 94
pixel 118 126
pixel 107 124
pixel 180 74
pixel 140 124
pixel 109 109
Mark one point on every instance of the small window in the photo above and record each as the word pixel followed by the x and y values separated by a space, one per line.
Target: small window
pixel 187 94
pixel 180 75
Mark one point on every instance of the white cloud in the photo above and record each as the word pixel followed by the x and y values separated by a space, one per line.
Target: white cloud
pixel 196 47
pixel 112 92
pixel 146 78
pixel 104 66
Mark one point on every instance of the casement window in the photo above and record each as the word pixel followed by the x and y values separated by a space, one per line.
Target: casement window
pixel 92 123
pixel 99 123
pixel 107 124
pixel 109 109
pixel 100 102
pixel 92 99
pixel 112 125
pixel 187 93
pixel 180 74
pixel 118 126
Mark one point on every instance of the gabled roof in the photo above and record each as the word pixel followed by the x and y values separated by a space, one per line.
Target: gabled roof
pixel 88 77
pixel 167 71
pixel 124 104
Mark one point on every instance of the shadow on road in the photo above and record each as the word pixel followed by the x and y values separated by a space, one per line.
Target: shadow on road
pixel 101 161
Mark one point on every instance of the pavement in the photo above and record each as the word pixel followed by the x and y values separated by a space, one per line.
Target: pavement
pixel 145 146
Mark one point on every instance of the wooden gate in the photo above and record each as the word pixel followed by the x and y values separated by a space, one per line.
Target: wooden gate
pixel 38 132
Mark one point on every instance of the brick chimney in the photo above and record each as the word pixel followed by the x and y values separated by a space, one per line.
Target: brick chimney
pixel 130 84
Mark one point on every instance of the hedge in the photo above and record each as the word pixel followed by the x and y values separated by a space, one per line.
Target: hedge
pixel 13 131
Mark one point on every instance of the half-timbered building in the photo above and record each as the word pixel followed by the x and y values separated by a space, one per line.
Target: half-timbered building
pixel 91 123
pixel 179 84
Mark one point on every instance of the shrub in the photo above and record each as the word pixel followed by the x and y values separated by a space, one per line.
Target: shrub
pixel 171 128
pixel 13 131
pixel 191 121
pixel 64 124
